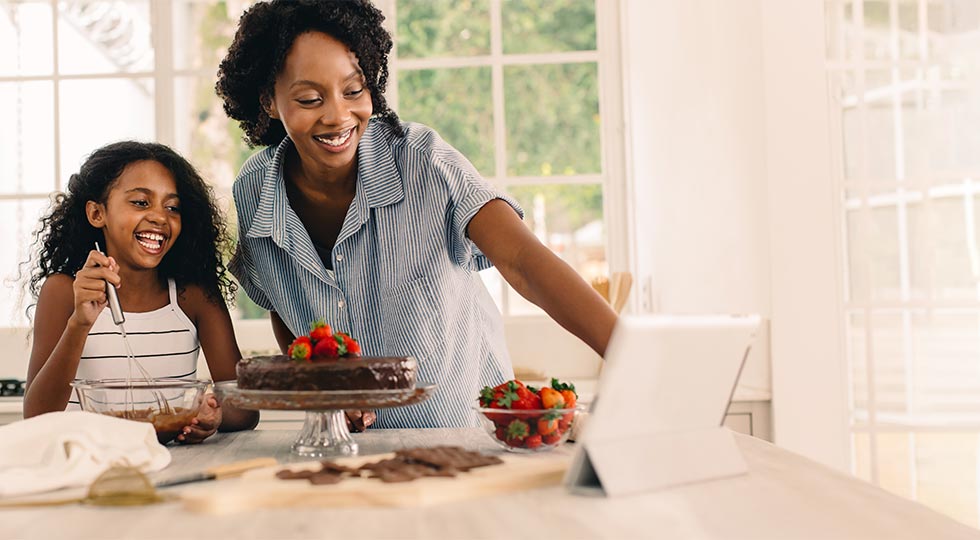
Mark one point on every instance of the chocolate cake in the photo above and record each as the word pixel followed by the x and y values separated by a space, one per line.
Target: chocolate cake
pixel 355 373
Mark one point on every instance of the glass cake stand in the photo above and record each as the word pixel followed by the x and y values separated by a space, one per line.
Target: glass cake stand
pixel 325 431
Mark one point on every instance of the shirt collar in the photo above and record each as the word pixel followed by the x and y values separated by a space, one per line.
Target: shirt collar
pixel 378 181
pixel 377 169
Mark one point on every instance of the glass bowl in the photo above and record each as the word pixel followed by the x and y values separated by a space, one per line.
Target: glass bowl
pixel 528 430
pixel 168 404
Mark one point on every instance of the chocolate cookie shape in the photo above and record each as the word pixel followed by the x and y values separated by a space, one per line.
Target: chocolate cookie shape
pixel 407 465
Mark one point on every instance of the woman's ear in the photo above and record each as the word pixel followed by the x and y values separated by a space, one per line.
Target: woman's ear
pixel 95 212
pixel 269 106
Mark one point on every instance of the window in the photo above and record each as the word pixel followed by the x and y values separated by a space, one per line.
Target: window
pixel 514 85
pixel 524 88
pixel 82 74
pixel 905 86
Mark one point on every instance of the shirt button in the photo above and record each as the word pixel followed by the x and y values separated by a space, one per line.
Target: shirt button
pixel 340 304
pixel 340 257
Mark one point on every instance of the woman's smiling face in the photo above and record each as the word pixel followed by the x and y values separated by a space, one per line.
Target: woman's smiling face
pixel 141 216
pixel 321 99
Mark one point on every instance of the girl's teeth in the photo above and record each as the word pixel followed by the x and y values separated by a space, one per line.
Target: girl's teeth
pixel 150 241
pixel 148 245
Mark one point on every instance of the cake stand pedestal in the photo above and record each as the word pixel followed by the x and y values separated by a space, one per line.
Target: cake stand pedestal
pixel 324 432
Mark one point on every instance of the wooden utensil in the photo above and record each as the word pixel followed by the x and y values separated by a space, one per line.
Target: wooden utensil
pixel 228 470
pixel 619 290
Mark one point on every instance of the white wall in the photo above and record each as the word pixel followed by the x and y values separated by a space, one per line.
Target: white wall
pixel 726 111
pixel 695 107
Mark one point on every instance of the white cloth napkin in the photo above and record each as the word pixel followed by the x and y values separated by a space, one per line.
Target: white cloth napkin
pixel 71 448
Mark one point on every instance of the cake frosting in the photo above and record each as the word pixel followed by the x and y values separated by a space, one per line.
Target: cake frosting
pixel 353 373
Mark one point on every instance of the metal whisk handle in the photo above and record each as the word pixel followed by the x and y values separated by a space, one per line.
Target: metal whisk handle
pixel 117 313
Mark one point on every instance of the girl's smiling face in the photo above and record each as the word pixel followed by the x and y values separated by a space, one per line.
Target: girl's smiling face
pixel 322 101
pixel 141 216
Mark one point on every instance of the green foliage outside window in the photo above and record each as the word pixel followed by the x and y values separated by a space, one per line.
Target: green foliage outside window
pixel 552 119
pixel 456 103
pixel 430 28
pixel 543 26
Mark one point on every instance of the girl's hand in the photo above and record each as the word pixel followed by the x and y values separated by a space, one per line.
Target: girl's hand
pixel 204 424
pixel 89 287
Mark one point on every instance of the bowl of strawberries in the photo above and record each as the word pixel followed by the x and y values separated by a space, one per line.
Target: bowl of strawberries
pixel 526 419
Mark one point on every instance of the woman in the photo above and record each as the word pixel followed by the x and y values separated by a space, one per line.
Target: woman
pixel 377 226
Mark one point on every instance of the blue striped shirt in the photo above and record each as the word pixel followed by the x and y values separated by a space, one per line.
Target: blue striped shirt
pixel 404 278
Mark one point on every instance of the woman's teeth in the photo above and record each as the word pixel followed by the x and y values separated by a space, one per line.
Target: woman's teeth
pixel 336 141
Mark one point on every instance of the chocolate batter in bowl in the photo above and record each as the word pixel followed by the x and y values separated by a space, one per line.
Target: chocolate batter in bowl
pixel 168 404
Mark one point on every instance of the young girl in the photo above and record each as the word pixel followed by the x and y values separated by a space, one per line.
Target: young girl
pixel 155 219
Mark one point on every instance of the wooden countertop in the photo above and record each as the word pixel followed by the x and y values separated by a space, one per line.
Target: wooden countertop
pixel 783 496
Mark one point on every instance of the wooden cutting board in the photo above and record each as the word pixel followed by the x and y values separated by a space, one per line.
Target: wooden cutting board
pixel 261 489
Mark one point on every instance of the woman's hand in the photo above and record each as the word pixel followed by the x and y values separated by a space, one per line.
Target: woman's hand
pixel 360 420
pixel 89 287
pixel 204 424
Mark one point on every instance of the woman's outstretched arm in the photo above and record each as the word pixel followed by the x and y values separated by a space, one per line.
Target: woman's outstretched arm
pixel 540 276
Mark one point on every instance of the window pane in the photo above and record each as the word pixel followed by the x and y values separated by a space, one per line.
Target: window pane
pixel 878 29
pixel 245 308
pixel 888 332
pixel 946 372
pixel 872 143
pixel 541 26
pixel 952 19
pixel 25 38
pixel 208 138
pixel 203 29
pixel 839 36
pixel 857 359
pixel 567 219
pixel 429 28
pixel 845 92
pixel 104 37
pixel 941 241
pixel 861 456
pixel 26 144
pixel 552 116
pixel 944 466
pixel 494 282
pixel 456 103
pixel 947 473
pixel 872 254
pixel 85 105
pixel 18 220
pixel 939 122
pixel 877 24
pixel 896 462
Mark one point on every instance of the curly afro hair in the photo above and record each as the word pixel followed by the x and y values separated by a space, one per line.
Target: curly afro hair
pixel 265 34
pixel 65 236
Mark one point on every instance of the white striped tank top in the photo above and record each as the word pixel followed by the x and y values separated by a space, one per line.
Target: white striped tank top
pixel 164 341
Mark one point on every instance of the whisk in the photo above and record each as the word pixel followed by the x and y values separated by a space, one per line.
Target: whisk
pixel 118 317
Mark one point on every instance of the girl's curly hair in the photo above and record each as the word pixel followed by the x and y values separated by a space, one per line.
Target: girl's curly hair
pixel 64 237
pixel 265 34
